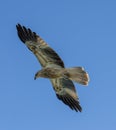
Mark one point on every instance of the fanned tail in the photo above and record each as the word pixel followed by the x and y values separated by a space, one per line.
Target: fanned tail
pixel 77 74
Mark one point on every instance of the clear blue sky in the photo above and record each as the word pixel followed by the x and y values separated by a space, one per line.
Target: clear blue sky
pixel 83 33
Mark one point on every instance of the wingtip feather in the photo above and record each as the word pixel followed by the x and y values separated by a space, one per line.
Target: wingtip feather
pixel 25 34
pixel 72 103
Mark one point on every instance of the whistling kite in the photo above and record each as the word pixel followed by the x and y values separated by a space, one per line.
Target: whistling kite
pixel 54 69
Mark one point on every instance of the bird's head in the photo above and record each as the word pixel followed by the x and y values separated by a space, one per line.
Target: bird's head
pixel 38 74
pixel 41 73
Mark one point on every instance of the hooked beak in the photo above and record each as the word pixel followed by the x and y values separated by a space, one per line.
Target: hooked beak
pixel 36 76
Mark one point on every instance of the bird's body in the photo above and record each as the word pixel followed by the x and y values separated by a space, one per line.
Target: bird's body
pixel 54 69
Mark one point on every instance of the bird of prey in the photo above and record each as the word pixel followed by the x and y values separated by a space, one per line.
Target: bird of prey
pixel 53 68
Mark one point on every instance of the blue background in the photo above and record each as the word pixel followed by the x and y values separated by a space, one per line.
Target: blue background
pixel 83 33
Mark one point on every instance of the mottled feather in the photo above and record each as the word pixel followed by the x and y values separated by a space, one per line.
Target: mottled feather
pixel 47 57
pixel 45 54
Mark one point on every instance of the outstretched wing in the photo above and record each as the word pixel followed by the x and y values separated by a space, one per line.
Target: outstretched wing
pixel 64 88
pixel 45 54
pixel 66 92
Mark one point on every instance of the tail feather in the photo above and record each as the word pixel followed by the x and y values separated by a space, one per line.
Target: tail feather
pixel 77 74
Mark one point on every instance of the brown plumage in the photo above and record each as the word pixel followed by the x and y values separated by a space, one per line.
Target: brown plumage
pixel 54 69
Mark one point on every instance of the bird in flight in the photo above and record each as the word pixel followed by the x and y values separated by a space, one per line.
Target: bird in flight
pixel 53 68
